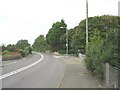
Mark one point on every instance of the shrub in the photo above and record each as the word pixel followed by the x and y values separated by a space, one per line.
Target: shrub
pixel 10 55
pixel 23 52
pixel 93 58
pixel 62 51
pixel 5 52
pixel 29 49
pixel 102 50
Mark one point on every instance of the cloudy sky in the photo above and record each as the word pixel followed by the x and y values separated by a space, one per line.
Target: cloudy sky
pixel 27 19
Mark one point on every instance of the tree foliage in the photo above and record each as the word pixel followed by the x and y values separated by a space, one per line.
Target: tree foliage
pixel 11 48
pixel 78 41
pixel 101 51
pixel 103 44
pixel 40 44
pixel 22 44
pixel 54 35
pixel 21 49
pixel 3 47
pixel 98 23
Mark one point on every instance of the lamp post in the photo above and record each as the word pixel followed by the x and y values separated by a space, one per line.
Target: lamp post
pixel 66 40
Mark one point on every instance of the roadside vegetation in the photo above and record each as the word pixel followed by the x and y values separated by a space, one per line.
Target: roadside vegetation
pixel 40 44
pixel 21 49
pixel 103 41
pixel 103 44
pixel 104 36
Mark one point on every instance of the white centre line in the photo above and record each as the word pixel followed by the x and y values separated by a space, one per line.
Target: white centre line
pixel 22 69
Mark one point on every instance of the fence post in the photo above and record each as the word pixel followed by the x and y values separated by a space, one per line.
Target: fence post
pixel 107 79
pixel 119 79
pixel 80 56
pixel 0 66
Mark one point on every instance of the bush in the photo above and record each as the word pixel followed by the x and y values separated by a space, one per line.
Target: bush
pixel 62 51
pixel 5 52
pixel 94 58
pixel 11 48
pixel 29 49
pixel 23 52
pixel 102 50
pixel 10 55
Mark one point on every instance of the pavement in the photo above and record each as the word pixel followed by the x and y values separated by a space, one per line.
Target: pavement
pixel 76 75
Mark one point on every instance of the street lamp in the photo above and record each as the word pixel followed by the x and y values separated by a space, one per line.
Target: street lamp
pixel 66 40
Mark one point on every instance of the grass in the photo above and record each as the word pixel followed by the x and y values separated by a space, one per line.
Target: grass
pixel 10 56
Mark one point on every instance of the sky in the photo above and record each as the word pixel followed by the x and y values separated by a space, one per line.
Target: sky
pixel 27 19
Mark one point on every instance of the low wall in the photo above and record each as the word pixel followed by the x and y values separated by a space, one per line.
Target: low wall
pixel 82 57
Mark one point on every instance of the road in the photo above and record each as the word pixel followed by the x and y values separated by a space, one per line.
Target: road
pixel 46 74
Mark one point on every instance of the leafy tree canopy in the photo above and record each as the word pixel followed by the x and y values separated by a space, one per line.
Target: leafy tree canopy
pixel 53 37
pixel 11 48
pixel 40 44
pixel 22 44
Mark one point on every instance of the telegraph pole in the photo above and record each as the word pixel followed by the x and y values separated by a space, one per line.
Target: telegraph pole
pixel 86 24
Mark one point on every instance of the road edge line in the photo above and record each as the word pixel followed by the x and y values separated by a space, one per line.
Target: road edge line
pixel 59 84
pixel 23 68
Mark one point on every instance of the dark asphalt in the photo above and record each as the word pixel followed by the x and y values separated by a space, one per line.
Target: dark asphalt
pixel 46 74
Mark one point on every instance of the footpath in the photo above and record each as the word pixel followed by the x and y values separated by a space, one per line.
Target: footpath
pixel 76 75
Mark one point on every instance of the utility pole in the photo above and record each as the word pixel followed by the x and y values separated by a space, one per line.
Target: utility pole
pixel 86 24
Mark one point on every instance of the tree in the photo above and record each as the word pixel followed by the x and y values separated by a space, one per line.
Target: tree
pixel 98 23
pixel 94 55
pixel 101 51
pixel 78 41
pixel 112 48
pixel 3 47
pixel 40 44
pixel 11 48
pixel 22 44
pixel 54 35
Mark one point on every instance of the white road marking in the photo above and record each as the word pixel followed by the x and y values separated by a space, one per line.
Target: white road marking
pixel 22 69
pixel 99 86
pixel 58 56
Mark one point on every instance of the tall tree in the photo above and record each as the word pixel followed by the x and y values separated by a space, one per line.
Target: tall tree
pixel 40 44
pixel 78 43
pixel 54 35
pixel 98 23
pixel 22 44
